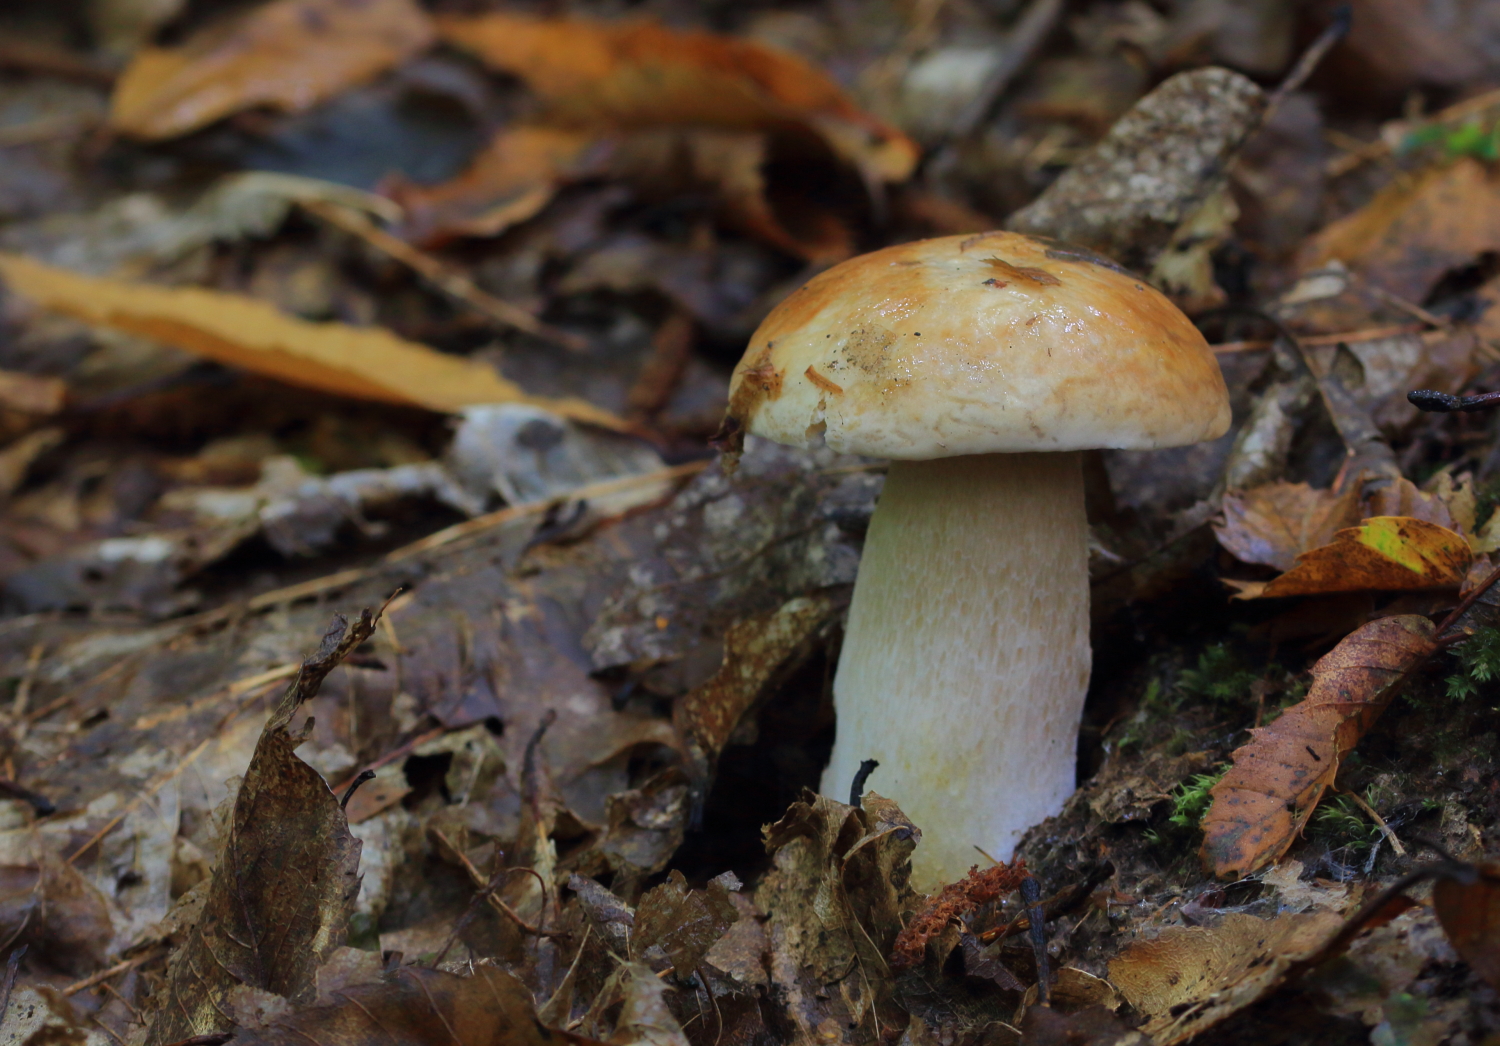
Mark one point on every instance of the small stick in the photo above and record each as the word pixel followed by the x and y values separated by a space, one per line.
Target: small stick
pixel 1468 601
pixel 364 775
pixel 477 877
pixel 1379 822
pixel 1337 29
pixel 857 789
pixel 12 967
pixel 103 975
pixel 445 279
pixel 1031 893
pixel 1434 402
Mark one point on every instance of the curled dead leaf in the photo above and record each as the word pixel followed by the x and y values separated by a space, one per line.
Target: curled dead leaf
pixel 288 54
pixel 1265 799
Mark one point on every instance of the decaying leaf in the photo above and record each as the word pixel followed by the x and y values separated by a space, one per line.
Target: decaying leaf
pixel 755 652
pixel 287 54
pixel 640 74
pixel 365 363
pixel 1188 979
pixel 835 898
pixel 1265 799
pixel 1384 553
pixel 281 896
pixel 1413 232
pixel 1274 523
pixel 682 922
pixel 418 1006
pixel 1470 914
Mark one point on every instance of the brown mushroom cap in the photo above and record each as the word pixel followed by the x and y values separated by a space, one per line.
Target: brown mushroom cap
pixel 974 345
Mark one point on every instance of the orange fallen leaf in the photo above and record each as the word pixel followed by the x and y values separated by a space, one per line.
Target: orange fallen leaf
pixel 636 74
pixel 510 180
pixel 287 54
pixel 1470 914
pixel 1265 799
pixel 1384 553
pixel 361 362
pixel 1413 232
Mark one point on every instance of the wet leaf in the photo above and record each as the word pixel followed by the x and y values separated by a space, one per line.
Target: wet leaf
pixel 417 1006
pixel 1188 979
pixel 363 363
pixel 287 55
pixel 640 74
pixel 1265 799
pixel 1384 553
pixel 1416 230
pixel 1470 914
pixel 280 899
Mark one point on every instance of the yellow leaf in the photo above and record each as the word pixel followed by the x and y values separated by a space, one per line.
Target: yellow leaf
pixel 360 362
pixel 1385 553
pixel 638 74
pixel 287 54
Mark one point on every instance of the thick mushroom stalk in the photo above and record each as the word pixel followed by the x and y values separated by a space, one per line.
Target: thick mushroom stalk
pixel 966 659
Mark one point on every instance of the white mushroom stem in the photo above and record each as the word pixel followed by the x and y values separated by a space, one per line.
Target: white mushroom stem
pixel 966 659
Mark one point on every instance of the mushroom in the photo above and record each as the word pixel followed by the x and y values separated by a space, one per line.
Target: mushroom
pixel 982 366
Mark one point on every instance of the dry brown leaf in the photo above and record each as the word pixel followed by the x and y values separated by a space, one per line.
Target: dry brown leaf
pixel 510 180
pixel 1265 799
pixel 417 1006
pixel 1413 232
pixel 640 74
pixel 1384 553
pixel 1274 523
pixel 1470 914
pixel 364 363
pixel 287 54
pixel 683 923
pixel 1191 978
pixel 280 900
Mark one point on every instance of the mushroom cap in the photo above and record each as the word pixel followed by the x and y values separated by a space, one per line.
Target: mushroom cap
pixel 975 345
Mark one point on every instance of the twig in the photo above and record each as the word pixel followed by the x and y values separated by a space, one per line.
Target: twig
pixel 441 276
pixel 1467 602
pixel 589 492
pixel 12 967
pixel 1031 893
pixel 361 778
pixel 1411 308
pixel 1030 31
pixel 1336 30
pixel 1435 402
pixel 1345 338
pixel 857 789
pixel 1379 821
pixel 477 877
pixel 1342 165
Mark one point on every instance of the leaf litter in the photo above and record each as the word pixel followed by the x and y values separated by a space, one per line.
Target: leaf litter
pixel 608 669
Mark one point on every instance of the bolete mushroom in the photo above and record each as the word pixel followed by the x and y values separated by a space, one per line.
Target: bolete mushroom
pixel 981 366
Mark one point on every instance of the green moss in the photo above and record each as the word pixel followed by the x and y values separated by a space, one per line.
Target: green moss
pixel 1219 678
pixel 1340 822
pixel 1478 660
pixel 1191 799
